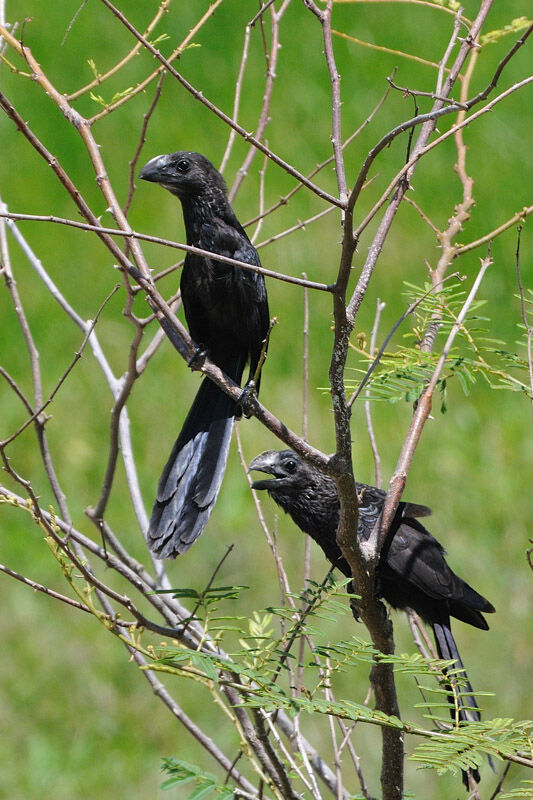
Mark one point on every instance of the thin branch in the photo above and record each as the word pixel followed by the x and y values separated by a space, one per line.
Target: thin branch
pixel 163 8
pixel 283 201
pixel 519 217
pixel 207 743
pixel 237 96
pixel 525 320
pixel 142 140
pixel 264 116
pixel 375 543
pixel 427 3
pixel 334 77
pixel 176 53
pixel 220 114
pixel 35 415
pixel 409 310
pixel 38 587
pixel 428 148
pixel 368 413
pixel 461 213
pixel 144 237
pixel 381 49
pixel 417 93
pixel 439 111
pixel 451 44
pixel 33 355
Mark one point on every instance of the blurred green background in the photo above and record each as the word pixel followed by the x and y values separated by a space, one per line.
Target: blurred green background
pixel 76 719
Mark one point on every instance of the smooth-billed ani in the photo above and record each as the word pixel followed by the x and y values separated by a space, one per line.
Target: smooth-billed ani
pixel 226 309
pixel 414 573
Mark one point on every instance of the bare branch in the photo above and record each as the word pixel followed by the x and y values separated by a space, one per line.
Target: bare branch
pixel 368 414
pixel 264 117
pixel 131 235
pixel 99 79
pixel 224 117
pixel 376 541
pixel 525 319
pixel 38 587
pixel 176 53
pixel 237 96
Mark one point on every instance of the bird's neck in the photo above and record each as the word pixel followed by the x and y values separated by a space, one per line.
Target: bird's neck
pixel 200 214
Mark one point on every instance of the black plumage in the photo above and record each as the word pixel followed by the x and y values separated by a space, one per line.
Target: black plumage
pixel 226 309
pixel 414 573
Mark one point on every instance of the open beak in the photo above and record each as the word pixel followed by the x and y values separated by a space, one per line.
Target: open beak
pixel 265 462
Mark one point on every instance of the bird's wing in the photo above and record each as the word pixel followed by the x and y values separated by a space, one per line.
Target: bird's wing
pixel 418 558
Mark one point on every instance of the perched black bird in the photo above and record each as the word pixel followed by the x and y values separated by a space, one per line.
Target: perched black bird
pixel 414 573
pixel 226 309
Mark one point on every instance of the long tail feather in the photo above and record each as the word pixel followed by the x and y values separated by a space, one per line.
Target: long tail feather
pixel 468 710
pixel 192 477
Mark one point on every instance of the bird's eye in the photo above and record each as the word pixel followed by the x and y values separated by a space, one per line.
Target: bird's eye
pixel 183 165
pixel 290 465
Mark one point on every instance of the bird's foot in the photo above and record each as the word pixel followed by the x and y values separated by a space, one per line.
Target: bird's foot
pixel 247 393
pixel 351 589
pixel 200 352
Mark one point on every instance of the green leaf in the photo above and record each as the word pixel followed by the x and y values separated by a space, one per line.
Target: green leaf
pixel 98 99
pixel 518 24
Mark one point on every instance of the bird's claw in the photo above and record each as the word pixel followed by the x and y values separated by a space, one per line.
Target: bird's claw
pixel 247 393
pixel 200 352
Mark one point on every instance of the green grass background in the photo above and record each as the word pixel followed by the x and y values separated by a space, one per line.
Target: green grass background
pixel 76 719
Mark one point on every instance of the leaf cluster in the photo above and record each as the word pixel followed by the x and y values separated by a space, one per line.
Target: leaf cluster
pixel 401 374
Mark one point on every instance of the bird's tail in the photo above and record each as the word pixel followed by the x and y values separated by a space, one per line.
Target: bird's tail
pixel 192 477
pixel 461 695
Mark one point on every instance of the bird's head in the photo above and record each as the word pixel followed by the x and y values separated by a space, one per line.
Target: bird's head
pixel 289 471
pixel 187 175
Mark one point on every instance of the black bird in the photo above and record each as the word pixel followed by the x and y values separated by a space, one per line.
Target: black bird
pixel 414 573
pixel 226 309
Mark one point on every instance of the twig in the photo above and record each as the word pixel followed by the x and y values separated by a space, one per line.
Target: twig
pixel 37 413
pixel 132 235
pixel 310 785
pixel 417 93
pixel 519 217
pixel 283 201
pixel 33 355
pixel 336 136
pixel 376 541
pixel 428 148
pixel 368 413
pixel 448 52
pixel 142 140
pixel 283 580
pixel 501 779
pixel 224 117
pixel 262 174
pixel 272 60
pixel 300 225
pixel 461 212
pixel 260 13
pixel 427 3
pixel 163 7
pixel 523 309
pixel 38 587
pixel 16 388
pixel 161 692
pixel 428 120
pixel 205 590
pixel 237 97
pixel 409 310
pixel 176 53
pixel 381 49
